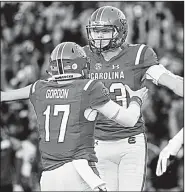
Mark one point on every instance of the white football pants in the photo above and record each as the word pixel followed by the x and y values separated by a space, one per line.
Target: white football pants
pixel 122 164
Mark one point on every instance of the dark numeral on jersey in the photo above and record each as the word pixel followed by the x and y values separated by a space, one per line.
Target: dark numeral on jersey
pixel 121 98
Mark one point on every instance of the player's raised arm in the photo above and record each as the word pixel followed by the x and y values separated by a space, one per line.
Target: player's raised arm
pixel 126 117
pixel 171 149
pixel 161 76
pixel 17 94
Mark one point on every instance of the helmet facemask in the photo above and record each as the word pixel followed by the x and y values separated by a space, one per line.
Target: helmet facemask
pixel 101 37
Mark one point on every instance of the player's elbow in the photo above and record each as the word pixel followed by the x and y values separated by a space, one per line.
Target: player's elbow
pixel 131 122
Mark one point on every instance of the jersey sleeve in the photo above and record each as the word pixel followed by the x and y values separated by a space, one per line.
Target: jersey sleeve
pixel 150 57
pixel 149 60
pixel 33 89
pixel 98 94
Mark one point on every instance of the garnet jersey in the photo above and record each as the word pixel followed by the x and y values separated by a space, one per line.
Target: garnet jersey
pixel 65 133
pixel 128 67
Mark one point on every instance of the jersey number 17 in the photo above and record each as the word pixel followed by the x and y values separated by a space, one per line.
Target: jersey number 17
pixel 63 125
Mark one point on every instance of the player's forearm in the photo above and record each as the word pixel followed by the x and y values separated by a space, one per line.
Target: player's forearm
pixel 161 76
pixel 173 82
pixel 129 117
pixel 126 117
pixel 179 88
pixel 17 94
pixel 11 96
pixel 86 172
pixel 177 141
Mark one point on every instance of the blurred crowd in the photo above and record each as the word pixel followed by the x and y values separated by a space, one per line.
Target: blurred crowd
pixel 30 31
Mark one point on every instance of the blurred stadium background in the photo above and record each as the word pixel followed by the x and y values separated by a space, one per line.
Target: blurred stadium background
pixel 30 30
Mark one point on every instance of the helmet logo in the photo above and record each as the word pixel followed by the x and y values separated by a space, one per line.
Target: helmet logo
pixel 98 66
pixel 74 66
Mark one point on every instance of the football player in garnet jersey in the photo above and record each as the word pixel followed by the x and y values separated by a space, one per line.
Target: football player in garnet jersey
pixel 121 150
pixel 66 105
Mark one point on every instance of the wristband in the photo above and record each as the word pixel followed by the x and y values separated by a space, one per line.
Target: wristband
pixel 137 99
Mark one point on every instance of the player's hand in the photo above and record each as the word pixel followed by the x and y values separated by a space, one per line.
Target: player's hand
pixel 164 158
pixel 169 151
pixel 162 161
pixel 141 93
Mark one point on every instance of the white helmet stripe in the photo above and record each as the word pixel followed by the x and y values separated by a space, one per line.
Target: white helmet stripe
pixel 97 14
pixel 102 13
pixel 62 56
pixel 57 57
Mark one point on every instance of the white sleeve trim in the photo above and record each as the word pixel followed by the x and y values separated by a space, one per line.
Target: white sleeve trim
pixel 139 54
pixel 33 87
pixel 87 84
pixel 154 72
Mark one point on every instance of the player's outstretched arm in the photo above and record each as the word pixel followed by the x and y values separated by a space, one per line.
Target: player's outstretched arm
pixel 161 76
pixel 17 94
pixel 173 82
pixel 171 149
pixel 126 117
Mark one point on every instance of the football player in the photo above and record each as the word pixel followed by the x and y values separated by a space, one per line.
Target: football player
pixel 121 150
pixel 170 150
pixel 66 105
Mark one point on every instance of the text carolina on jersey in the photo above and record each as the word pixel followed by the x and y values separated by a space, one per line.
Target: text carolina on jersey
pixel 107 75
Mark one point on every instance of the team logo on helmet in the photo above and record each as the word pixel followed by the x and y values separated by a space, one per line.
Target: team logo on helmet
pixel 98 66
pixel 74 66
